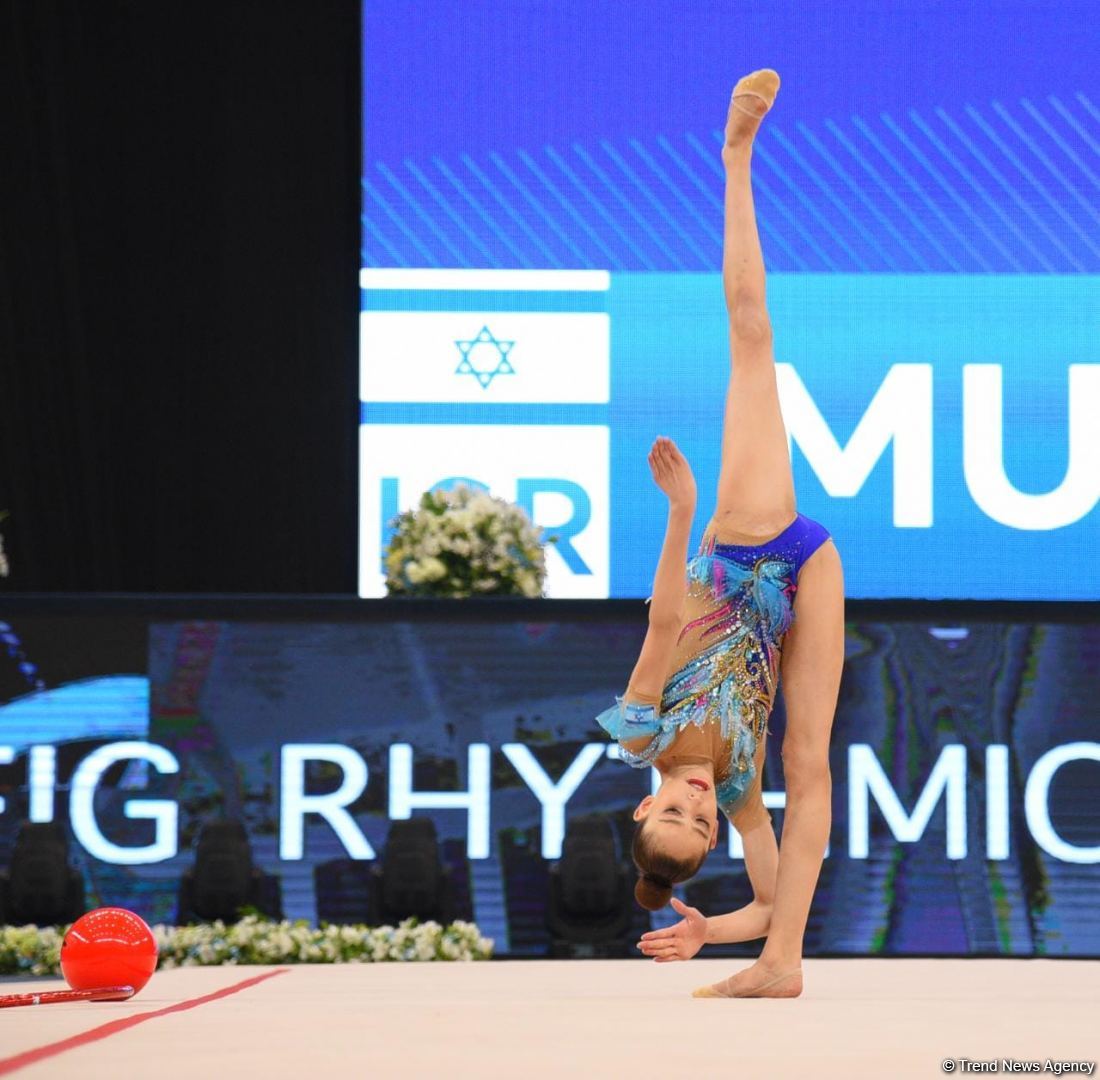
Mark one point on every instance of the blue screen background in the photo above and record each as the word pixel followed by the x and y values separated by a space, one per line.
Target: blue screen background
pixel 927 193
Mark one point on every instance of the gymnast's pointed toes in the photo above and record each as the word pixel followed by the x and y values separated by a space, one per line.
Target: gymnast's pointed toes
pixel 706 991
pixel 752 97
pixel 763 83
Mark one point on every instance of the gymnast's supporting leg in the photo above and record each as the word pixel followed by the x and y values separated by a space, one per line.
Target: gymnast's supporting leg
pixel 810 672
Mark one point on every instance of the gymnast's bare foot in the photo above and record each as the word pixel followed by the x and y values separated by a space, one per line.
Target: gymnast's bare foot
pixel 759 980
pixel 752 97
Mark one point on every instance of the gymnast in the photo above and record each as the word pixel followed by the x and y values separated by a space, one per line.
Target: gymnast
pixel 762 599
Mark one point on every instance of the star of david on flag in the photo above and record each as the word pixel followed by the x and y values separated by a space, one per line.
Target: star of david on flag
pixel 490 352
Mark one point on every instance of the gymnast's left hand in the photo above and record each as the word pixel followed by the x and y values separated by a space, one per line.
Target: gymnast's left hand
pixel 680 941
pixel 672 473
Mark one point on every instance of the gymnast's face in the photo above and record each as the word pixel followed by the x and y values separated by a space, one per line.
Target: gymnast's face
pixel 683 816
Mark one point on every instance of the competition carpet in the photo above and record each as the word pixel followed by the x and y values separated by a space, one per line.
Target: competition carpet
pixel 563 1019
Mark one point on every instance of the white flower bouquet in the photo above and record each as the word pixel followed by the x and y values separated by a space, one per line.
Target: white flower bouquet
pixel 465 542
pixel 30 950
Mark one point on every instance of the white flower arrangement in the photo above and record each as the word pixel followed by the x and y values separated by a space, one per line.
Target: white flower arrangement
pixel 5 566
pixel 30 950
pixel 465 542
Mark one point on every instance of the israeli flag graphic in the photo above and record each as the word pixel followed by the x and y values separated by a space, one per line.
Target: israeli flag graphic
pixel 482 356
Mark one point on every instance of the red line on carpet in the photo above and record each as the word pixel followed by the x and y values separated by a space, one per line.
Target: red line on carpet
pixel 40 1053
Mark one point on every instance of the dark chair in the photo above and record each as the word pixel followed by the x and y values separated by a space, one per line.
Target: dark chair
pixel 342 888
pixel 224 879
pixel 590 907
pixel 412 881
pixel 39 885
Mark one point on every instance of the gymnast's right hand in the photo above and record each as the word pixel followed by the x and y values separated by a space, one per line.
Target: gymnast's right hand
pixel 679 942
pixel 672 473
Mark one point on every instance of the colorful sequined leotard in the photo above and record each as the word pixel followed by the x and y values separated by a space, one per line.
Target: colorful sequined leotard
pixel 715 704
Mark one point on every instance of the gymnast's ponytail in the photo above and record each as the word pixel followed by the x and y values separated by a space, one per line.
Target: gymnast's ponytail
pixel 652 892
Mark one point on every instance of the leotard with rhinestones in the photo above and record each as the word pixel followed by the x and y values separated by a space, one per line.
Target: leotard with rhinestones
pixel 716 703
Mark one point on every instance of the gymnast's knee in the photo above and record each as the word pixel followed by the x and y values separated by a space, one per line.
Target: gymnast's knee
pixel 750 317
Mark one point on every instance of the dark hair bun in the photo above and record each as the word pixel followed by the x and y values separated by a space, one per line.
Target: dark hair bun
pixel 651 894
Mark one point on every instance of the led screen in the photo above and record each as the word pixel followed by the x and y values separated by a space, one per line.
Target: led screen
pixel 964 761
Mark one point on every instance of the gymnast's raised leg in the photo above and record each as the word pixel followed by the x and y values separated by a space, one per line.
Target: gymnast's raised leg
pixel 756 498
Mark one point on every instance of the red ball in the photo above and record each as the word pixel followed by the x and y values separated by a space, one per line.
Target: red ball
pixel 108 947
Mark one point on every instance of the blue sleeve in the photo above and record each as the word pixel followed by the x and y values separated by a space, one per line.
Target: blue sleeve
pixel 629 720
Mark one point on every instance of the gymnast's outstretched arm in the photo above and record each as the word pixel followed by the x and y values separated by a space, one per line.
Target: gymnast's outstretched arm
pixel 684 939
pixel 673 476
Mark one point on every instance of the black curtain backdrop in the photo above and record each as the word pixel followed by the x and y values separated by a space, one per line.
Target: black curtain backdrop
pixel 179 253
